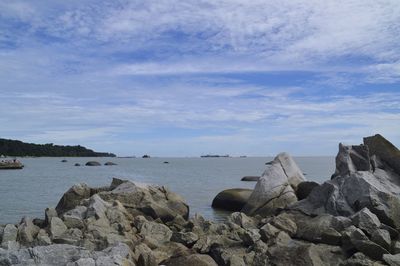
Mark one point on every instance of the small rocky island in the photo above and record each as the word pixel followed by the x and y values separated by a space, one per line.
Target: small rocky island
pixel 352 219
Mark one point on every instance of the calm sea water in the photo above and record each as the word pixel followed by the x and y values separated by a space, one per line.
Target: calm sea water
pixel 43 181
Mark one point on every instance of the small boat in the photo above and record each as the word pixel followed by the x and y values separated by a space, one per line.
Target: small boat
pixel 8 165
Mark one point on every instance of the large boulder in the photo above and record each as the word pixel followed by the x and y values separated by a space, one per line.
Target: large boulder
pixel 276 187
pixel 73 197
pixel 352 159
pixel 232 199
pixel 304 189
pixel 157 202
pixel 386 151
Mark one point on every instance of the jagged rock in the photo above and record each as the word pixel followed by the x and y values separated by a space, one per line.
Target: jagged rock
pixel 275 188
pixel 155 234
pixel 27 231
pixel 83 262
pixel 396 247
pixel 242 220
pixel 359 259
pixel 284 223
pixel 268 232
pixel 186 238
pixel 352 159
pixel 382 238
pixel 93 163
pixel 385 150
pixel 57 227
pixel 71 236
pixel 97 207
pixel 250 178
pixel 392 260
pixel 227 256
pixel 42 238
pixel 10 233
pixel 192 260
pixel 74 218
pixel 304 189
pixel 147 259
pixel 250 236
pixel 157 202
pixel 48 214
pixel 369 248
pixel 232 199
pixel 366 220
pixel 301 253
pixel 170 250
pixel 73 197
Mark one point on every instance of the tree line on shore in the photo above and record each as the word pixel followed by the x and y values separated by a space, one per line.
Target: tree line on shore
pixel 18 148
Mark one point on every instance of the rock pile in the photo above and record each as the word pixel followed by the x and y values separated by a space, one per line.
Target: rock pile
pixel 352 219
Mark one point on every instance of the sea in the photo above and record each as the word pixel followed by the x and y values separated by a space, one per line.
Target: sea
pixel 42 182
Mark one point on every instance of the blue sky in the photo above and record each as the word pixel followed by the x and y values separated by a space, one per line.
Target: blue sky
pixel 184 78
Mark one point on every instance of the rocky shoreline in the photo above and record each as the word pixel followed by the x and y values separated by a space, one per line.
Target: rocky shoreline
pixel 352 219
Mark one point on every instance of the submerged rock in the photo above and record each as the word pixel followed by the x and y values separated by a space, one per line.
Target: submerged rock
pixel 93 163
pixel 232 199
pixel 110 163
pixel 250 178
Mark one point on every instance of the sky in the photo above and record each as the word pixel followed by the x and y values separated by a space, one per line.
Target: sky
pixel 185 78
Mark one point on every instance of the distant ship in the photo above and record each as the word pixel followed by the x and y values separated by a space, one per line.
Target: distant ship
pixel 214 156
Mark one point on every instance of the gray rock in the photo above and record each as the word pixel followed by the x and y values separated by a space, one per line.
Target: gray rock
pixel 97 207
pixel 48 214
pixel 392 260
pixel 192 260
pixel 83 262
pixel 10 233
pixel 57 228
pixel 232 199
pixel 156 202
pixel 382 238
pixel 385 150
pixel 292 171
pixel 284 223
pixel 74 218
pixel 250 178
pixel 147 259
pixel 27 231
pixel 110 163
pixel 155 234
pixel 304 189
pixel 43 238
pixel 366 220
pixel 186 238
pixel 242 220
pixel 73 197
pixel 351 159
pixel 268 232
pixel 93 163
pixel 369 248
pixel 250 236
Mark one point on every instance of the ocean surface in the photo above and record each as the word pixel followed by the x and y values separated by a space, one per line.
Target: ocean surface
pixel 43 181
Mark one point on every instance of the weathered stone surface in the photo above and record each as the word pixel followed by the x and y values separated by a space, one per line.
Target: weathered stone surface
pixel 27 231
pixel 57 227
pixel 366 220
pixel 242 220
pixel 10 232
pixel 250 178
pixel 186 238
pixel 369 248
pixel 48 214
pixel 351 159
pixel 392 260
pixel 285 223
pixel 155 234
pixel 74 218
pixel 232 199
pixel 385 150
pixel 157 202
pixel 192 260
pixel 382 238
pixel 109 163
pixel 73 197
pixel 304 189
pixel 97 207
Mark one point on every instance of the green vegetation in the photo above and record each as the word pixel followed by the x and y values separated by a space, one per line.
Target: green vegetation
pixel 18 148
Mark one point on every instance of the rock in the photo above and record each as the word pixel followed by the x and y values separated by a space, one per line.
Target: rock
pixel 369 248
pixel 48 214
pixel 268 232
pixel 250 178
pixel 396 247
pixel 10 233
pixel 147 259
pixel 71 236
pixel 385 150
pixel 84 262
pixel 274 189
pixel 366 220
pixel 242 220
pixel 97 207
pixel 359 259
pixel 232 199
pixel 57 227
pixel 64 161
pixel 73 197
pixel 93 163
pixel 43 238
pixel 186 238
pixel 382 238
pixel 156 202
pixel 27 232
pixel 192 260
pixel 250 236
pixel 392 260
pixel 155 234
pixel 301 254
pixel 77 164
pixel 304 189
pixel 74 218
pixel 110 163
pixel 284 223
pixel 351 159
